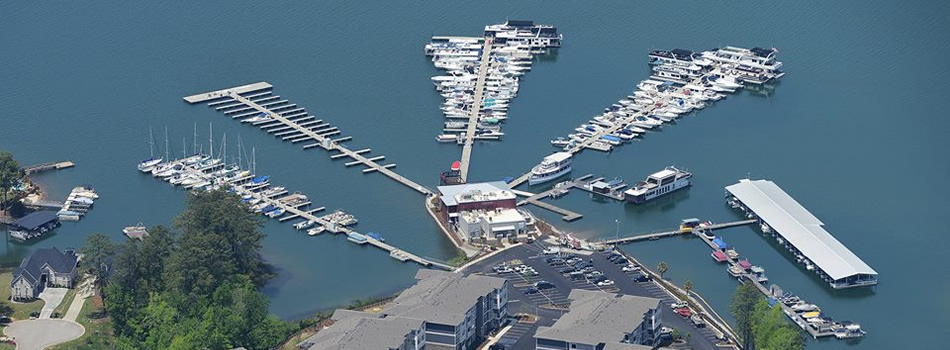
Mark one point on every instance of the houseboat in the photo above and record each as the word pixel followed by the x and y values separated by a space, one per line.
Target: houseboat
pixel 552 167
pixel 658 184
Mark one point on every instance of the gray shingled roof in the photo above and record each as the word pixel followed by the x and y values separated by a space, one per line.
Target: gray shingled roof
pixel 597 317
pixel 34 220
pixel 799 227
pixel 442 297
pixel 58 261
pixel 360 330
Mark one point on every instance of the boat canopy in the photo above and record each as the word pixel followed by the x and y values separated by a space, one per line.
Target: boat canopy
pixel 720 243
pixel 719 256
pixel 745 264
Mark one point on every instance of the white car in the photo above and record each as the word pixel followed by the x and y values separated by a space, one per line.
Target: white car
pixel 605 283
pixel 678 305
pixel 630 268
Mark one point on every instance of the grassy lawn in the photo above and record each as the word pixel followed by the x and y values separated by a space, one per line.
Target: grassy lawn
pixel 98 334
pixel 63 306
pixel 21 311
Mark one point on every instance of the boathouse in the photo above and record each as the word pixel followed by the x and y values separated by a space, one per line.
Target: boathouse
pixel 33 225
pixel 45 267
pixel 802 233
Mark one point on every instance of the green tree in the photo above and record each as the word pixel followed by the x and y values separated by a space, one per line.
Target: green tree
pixel 742 307
pixel 662 267
pixel 96 253
pixel 10 175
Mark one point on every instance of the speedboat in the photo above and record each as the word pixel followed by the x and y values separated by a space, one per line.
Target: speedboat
pixel 447 138
pixel 316 231
pixel 550 168
pixel 148 164
pixel 275 213
pixel 304 224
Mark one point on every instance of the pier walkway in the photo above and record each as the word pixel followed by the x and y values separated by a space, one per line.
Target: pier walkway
pixel 657 235
pixel 561 189
pixel 476 108
pixel 32 169
pixel 297 127
pixel 335 228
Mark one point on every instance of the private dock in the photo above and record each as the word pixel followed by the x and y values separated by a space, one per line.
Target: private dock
pixel 33 169
pixel 294 124
pixel 476 108
pixel 657 235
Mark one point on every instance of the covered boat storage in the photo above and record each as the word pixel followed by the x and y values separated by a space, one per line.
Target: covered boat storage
pixel 802 233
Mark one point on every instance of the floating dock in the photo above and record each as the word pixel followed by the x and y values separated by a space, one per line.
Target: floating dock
pixel 476 108
pixel 657 235
pixel 291 119
pixel 33 169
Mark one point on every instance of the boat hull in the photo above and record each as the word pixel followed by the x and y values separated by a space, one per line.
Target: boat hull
pixel 539 179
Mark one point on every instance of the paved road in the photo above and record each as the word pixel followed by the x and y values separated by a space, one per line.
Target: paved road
pixel 52 297
pixel 521 336
pixel 41 333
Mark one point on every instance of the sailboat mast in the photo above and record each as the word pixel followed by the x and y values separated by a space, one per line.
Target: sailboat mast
pixel 194 141
pixel 151 143
pixel 211 140
pixel 239 151
pixel 224 149
pixel 253 162
pixel 167 156
pixel 184 148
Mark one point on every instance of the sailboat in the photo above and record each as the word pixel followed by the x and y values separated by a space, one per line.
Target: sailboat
pixel 150 163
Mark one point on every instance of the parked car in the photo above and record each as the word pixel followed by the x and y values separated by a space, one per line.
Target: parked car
pixel 565 269
pixel 531 291
pixel 598 279
pixel 697 321
pixel 620 261
pixel 593 274
pixel 542 285
pixel 685 312
pixel 642 278
pixel 630 268
pixel 605 283
pixel 678 305
pixel 577 276
pixel 588 269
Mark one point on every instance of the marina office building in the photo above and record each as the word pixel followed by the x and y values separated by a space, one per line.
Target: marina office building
pixel 795 228
pixel 481 210
pixel 442 311
pixel 602 321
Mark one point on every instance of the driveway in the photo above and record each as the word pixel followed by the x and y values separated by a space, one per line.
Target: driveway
pixel 41 333
pixel 52 297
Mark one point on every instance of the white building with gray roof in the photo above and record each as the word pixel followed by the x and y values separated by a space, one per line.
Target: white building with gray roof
pixel 601 321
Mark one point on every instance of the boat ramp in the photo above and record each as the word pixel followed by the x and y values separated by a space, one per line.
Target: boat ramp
pixel 254 104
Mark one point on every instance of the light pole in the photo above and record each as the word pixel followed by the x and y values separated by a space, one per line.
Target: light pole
pixel 617 221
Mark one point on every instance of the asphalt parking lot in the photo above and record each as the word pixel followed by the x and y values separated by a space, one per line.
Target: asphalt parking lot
pixel 549 304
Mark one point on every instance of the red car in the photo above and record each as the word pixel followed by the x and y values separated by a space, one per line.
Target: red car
pixel 685 312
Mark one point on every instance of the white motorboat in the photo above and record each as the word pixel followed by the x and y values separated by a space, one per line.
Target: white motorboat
pixel 304 224
pixel 550 168
pixel 316 231
pixel 447 138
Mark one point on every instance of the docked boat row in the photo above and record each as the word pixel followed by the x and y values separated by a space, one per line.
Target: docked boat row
pixel 512 46
pixel 77 204
pixel 809 317
pixel 682 81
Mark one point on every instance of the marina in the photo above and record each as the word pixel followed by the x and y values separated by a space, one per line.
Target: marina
pixel 203 172
pixel 288 116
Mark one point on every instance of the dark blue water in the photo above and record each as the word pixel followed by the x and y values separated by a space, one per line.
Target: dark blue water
pixel 854 131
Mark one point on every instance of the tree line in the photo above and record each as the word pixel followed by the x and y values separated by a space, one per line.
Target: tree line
pixel 760 325
pixel 197 288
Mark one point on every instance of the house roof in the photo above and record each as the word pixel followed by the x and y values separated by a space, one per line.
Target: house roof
pixel 799 227
pixel 599 318
pixel 475 192
pixel 31 267
pixel 360 330
pixel 35 220
pixel 442 297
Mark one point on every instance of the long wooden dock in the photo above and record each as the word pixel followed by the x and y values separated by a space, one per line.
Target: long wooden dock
pixel 657 235
pixel 476 108
pixel 291 130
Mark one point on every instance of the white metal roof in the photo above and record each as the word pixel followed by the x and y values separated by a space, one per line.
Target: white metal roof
pixel 663 173
pixel 558 157
pixel 799 227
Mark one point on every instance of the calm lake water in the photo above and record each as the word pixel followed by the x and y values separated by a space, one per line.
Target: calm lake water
pixel 855 131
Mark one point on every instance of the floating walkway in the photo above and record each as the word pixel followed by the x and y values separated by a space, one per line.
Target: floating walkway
pixel 476 109
pixel 32 169
pixel 558 190
pixel 293 124
pixel 677 232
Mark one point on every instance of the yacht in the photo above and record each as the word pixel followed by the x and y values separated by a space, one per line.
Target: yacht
pixel 447 138
pixel 550 168
pixel 658 184
pixel 535 37
pixel 149 164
